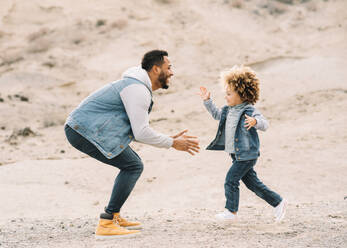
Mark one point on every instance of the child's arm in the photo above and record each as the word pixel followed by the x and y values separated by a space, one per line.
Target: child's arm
pixel 257 121
pixel 210 106
pixel 262 123
pixel 212 109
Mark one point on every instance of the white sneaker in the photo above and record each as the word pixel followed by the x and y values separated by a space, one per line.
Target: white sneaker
pixel 226 215
pixel 280 210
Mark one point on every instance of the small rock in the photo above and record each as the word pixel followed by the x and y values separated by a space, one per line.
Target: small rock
pixel 67 84
pixel 26 132
pixel 286 1
pixel 100 23
pixel 62 151
pixel 1 99
pixel 77 41
pixel 66 182
pixel 24 99
pixel 237 4
pixel 334 216
pixel 49 64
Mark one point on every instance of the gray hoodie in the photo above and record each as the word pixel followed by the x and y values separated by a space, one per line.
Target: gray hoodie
pixel 137 99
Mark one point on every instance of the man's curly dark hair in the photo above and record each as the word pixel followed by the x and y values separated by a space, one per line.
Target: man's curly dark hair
pixel 244 81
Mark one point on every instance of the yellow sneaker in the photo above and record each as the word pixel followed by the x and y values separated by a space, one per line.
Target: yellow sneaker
pixel 127 224
pixel 108 229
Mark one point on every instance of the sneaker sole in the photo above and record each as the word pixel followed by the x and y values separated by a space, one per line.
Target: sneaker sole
pixel 225 220
pixel 133 227
pixel 119 236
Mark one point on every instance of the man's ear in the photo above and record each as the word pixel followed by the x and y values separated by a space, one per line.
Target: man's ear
pixel 156 69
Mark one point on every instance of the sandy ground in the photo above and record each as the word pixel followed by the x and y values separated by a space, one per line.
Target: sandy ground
pixel 55 53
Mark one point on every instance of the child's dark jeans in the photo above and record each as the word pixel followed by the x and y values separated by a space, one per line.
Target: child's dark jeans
pixel 243 170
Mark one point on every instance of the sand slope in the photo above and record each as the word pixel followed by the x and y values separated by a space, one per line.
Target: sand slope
pixel 55 53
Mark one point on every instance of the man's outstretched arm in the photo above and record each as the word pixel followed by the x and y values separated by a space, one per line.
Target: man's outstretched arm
pixel 136 100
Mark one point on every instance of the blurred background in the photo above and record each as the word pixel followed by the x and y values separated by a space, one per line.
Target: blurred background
pixel 55 53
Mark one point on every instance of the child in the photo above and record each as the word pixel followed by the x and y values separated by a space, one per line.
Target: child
pixel 237 135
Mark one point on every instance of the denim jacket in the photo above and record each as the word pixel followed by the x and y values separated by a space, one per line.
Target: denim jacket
pixel 246 141
pixel 102 119
pixel 118 113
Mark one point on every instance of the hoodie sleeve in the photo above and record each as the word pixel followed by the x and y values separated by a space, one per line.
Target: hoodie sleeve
pixel 262 123
pixel 212 109
pixel 137 99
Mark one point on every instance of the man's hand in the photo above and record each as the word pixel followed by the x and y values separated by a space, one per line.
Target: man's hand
pixel 185 143
pixel 250 122
pixel 204 94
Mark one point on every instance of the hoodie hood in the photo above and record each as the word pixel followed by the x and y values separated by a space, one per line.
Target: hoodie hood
pixel 138 73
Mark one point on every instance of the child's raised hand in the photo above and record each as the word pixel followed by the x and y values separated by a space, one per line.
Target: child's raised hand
pixel 204 94
pixel 250 122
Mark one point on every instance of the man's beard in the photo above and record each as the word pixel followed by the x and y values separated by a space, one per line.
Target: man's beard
pixel 163 80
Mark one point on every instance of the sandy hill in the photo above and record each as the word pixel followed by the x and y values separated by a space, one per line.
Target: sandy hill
pixel 55 53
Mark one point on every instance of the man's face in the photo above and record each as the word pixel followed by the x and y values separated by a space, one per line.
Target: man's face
pixel 165 73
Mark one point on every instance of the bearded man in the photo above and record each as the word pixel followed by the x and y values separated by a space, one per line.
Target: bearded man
pixel 104 124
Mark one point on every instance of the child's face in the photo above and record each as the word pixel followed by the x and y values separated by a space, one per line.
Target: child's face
pixel 232 97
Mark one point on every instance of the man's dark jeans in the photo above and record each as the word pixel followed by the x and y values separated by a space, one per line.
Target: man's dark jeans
pixel 243 170
pixel 128 162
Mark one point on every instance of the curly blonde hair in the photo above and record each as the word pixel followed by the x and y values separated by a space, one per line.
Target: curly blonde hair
pixel 244 81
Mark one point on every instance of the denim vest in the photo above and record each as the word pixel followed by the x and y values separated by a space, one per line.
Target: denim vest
pixel 246 141
pixel 101 118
